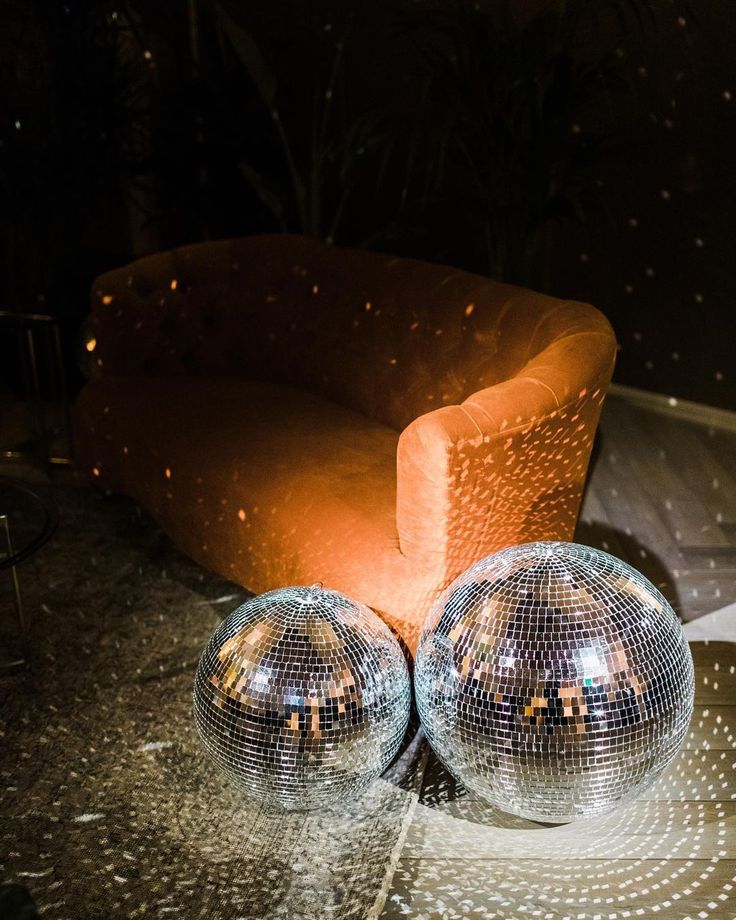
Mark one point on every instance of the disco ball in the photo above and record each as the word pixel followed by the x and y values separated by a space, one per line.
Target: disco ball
pixel 302 696
pixel 554 681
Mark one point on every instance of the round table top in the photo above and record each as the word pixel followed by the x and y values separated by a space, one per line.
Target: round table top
pixel 31 517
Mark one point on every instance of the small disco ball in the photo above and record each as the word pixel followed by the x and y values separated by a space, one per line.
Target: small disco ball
pixel 302 696
pixel 554 681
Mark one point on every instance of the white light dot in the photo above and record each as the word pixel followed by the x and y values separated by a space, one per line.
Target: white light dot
pixel 649 272
pixel 699 242
pixel 629 289
pixel 698 298
pixel 633 222
pixel 147 55
pixel 17 126
pixel 665 194
pixel 727 95
pixel 718 375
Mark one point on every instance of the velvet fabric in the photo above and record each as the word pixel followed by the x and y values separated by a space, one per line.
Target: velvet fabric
pixel 292 412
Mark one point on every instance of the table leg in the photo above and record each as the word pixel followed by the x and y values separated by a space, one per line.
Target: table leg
pixel 20 662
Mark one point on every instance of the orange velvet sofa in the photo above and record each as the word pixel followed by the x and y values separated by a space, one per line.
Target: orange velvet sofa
pixel 292 413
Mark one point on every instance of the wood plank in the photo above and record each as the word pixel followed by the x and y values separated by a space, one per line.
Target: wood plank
pixel 715 672
pixel 594 528
pixel 678 503
pixel 645 829
pixel 724 445
pixel 592 508
pixel 622 510
pixel 712 728
pixel 547 887
pixel 697 775
pixel 629 509
pixel 695 453
pixel 701 591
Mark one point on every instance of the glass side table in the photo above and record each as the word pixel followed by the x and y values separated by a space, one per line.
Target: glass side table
pixel 41 368
pixel 27 522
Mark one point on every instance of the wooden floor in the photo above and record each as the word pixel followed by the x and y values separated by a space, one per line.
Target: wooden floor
pixel 662 495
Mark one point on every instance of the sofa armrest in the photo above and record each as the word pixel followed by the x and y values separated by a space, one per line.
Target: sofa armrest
pixel 508 465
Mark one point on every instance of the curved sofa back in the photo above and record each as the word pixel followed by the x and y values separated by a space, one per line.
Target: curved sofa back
pixel 391 338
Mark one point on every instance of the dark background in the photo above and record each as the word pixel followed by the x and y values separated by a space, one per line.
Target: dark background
pixel 586 149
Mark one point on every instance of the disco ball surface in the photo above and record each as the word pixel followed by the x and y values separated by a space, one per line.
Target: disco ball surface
pixel 302 696
pixel 554 681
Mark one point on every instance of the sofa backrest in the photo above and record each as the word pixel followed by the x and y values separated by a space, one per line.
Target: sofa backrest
pixel 392 338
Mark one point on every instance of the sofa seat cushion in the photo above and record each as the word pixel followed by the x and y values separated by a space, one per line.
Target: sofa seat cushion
pixel 266 484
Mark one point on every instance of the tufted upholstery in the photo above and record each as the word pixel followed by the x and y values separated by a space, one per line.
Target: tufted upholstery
pixel 399 419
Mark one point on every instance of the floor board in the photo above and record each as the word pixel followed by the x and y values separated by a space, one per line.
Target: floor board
pixel 662 495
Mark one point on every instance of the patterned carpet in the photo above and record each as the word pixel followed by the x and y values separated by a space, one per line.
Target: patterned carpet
pixel 108 807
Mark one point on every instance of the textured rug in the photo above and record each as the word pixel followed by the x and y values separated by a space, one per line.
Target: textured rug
pixel 108 807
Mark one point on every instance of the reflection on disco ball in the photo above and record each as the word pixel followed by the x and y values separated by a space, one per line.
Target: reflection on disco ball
pixel 554 680
pixel 302 696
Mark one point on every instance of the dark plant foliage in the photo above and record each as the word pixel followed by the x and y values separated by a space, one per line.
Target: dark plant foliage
pixel 304 166
pixel 520 111
pixel 135 125
pixel 71 101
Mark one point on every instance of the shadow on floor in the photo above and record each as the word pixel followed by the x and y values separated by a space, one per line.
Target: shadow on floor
pixel 627 547
pixel 16 903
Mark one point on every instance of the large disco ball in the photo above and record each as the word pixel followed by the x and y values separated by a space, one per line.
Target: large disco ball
pixel 301 696
pixel 554 680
